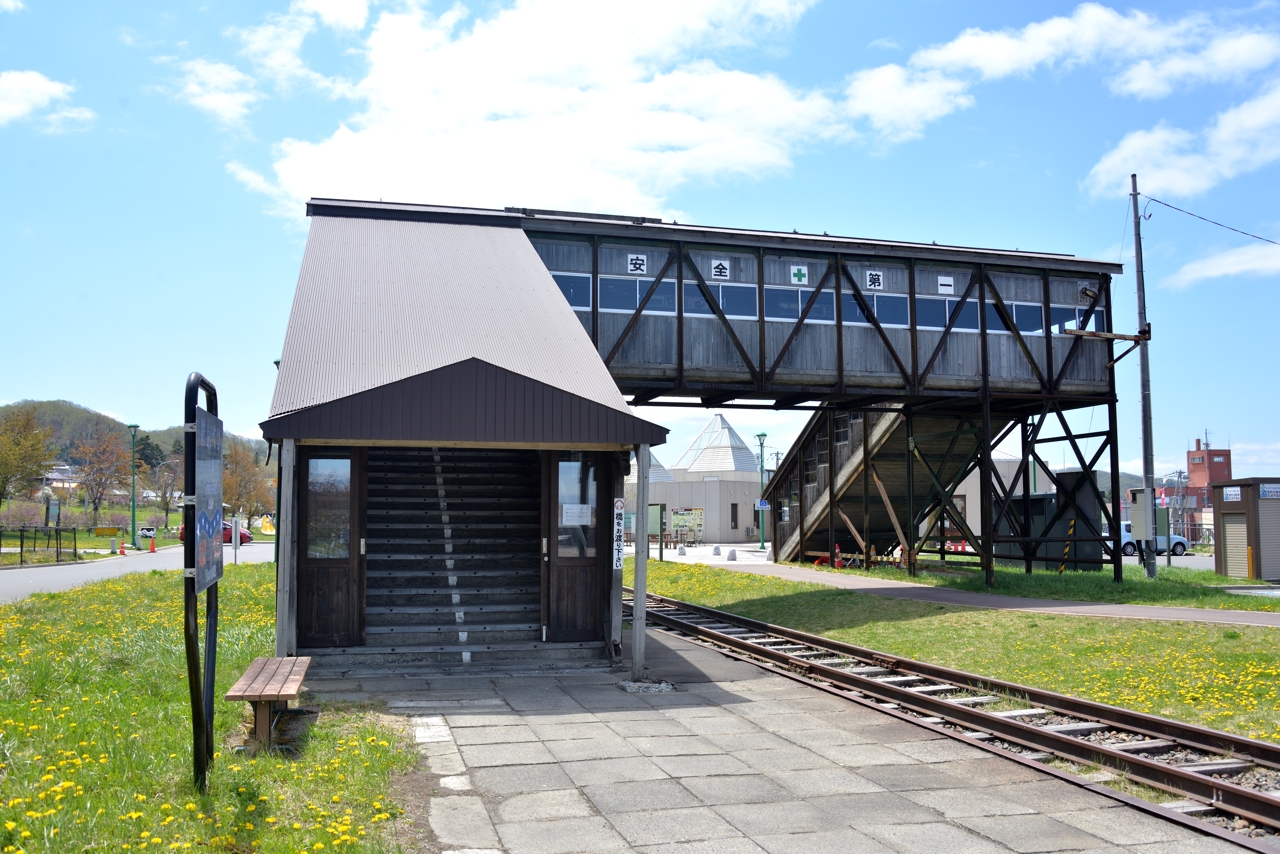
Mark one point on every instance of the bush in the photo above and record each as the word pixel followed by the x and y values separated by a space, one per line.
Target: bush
pixel 119 520
pixel 20 513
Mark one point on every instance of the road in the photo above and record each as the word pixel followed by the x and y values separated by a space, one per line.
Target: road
pixel 17 584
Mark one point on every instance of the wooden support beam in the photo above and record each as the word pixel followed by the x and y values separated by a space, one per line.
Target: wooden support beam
pixel 893 517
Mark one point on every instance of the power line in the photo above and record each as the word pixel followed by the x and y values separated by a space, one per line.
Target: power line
pixel 1212 222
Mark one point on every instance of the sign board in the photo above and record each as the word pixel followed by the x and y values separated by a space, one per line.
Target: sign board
pixel 637 265
pixel 619 519
pixel 720 268
pixel 762 504
pixel 575 514
pixel 208 500
pixel 946 285
pixel 1230 493
pixel 799 274
pixel 1269 490
pixel 875 280
pixel 689 519
pixel 106 532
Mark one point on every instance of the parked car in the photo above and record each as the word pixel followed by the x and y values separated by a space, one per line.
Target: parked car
pixel 147 533
pixel 1129 547
pixel 246 536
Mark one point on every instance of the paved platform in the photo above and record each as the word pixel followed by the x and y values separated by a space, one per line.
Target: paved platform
pixel 751 560
pixel 736 760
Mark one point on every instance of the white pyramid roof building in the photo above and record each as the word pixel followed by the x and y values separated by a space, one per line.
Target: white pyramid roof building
pixel 718 448
pixel 657 471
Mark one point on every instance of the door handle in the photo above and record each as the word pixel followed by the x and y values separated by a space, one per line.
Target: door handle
pixel 362 545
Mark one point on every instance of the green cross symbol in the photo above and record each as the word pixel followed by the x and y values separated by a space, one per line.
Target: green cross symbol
pixel 800 274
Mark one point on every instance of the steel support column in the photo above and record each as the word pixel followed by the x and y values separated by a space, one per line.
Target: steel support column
pixel 831 487
pixel 987 545
pixel 913 529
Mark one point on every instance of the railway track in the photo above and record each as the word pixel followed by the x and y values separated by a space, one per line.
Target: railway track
pixel 1230 781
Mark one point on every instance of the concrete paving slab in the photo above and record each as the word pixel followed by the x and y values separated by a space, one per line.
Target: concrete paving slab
pixel 561 836
pixel 785 759
pixel 544 806
pixel 662 726
pixel 933 838
pixel 739 742
pixel 611 747
pixel 1029 834
pixel 828 737
pixel 718 725
pixel 675 745
pixel 773 818
pixel 461 820
pixel 590 772
pixel 900 778
pixel 494 735
pixel 1124 827
pixel 938 750
pixel 840 841
pixel 520 753
pixel 702 766
pixel 863 755
pixel 1052 796
pixel 738 845
pixel 563 731
pixel 655 827
pixel 747 789
pixel 1200 845
pixel 817 782
pixel 964 803
pixel 861 811
pixel 640 796
pixel 989 771
pixel 515 780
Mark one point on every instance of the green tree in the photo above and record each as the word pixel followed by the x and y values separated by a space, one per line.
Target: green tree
pixel 24 451
pixel 148 452
pixel 245 486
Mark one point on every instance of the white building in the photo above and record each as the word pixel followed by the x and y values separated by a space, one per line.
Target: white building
pixel 711 492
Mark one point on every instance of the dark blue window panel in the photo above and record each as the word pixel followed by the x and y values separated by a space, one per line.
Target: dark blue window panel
pixel 738 301
pixel 1098 323
pixel 1029 318
pixel 1061 319
pixel 850 311
pixel 968 313
pixel 618 294
pixel 693 301
pixel 663 299
pixel 931 313
pixel 893 309
pixel 576 289
pixel 781 304
pixel 824 308
pixel 994 323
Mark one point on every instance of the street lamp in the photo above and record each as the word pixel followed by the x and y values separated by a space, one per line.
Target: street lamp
pixel 759 508
pixel 133 491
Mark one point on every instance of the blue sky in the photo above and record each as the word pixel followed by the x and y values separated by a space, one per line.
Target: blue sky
pixel 154 160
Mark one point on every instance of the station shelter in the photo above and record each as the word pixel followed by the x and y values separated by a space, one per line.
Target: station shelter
pixel 451 448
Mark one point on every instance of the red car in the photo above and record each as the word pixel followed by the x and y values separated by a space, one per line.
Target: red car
pixel 246 536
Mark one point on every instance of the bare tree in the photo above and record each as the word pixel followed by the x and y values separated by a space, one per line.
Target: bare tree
pixel 24 451
pixel 105 465
pixel 245 487
pixel 165 480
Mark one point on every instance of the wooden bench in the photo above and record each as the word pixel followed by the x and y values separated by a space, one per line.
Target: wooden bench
pixel 268 685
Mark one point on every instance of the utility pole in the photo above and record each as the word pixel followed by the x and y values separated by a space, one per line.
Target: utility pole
pixel 759 506
pixel 1144 370
pixel 133 491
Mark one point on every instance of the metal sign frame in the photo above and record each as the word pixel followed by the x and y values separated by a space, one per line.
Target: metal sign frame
pixel 200 681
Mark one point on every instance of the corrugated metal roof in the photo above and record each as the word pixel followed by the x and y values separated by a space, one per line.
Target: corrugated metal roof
pixel 718 448
pixel 381 300
pixel 651 228
pixel 657 471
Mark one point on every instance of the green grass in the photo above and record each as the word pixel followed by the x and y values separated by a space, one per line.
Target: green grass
pixel 1175 586
pixel 95 733
pixel 1222 677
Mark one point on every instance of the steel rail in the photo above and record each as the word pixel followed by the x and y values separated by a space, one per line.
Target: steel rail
pixel 1239 800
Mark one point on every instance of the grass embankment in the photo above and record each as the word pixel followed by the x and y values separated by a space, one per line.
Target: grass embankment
pixel 1175 586
pixel 1224 677
pixel 95 732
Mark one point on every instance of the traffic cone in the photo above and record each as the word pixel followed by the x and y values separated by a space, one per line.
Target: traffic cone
pixel 153 545
pixel 122 546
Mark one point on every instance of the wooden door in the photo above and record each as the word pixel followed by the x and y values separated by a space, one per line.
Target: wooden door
pixel 575 583
pixel 331 545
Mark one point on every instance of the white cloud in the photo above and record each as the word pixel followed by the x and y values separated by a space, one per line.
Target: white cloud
pixel 501 112
pixel 1177 162
pixel 275 47
pixel 1229 57
pixel 25 92
pixel 69 119
pixel 1258 259
pixel 339 14
pixel 223 91
pixel 10 5
pixel 886 43
pixel 899 102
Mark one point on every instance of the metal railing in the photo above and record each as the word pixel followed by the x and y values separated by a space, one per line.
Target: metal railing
pixel 39 544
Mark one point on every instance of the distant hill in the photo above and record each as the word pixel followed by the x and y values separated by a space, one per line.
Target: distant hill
pixel 72 422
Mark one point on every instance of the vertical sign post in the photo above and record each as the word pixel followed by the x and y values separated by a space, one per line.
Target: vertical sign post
pixel 202 553
pixel 619 512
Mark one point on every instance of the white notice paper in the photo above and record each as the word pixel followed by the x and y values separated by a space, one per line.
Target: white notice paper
pixel 799 275
pixel 1230 493
pixel 946 285
pixel 575 514
pixel 637 265
pixel 875 280
pixel 619 507
pixel 719 268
